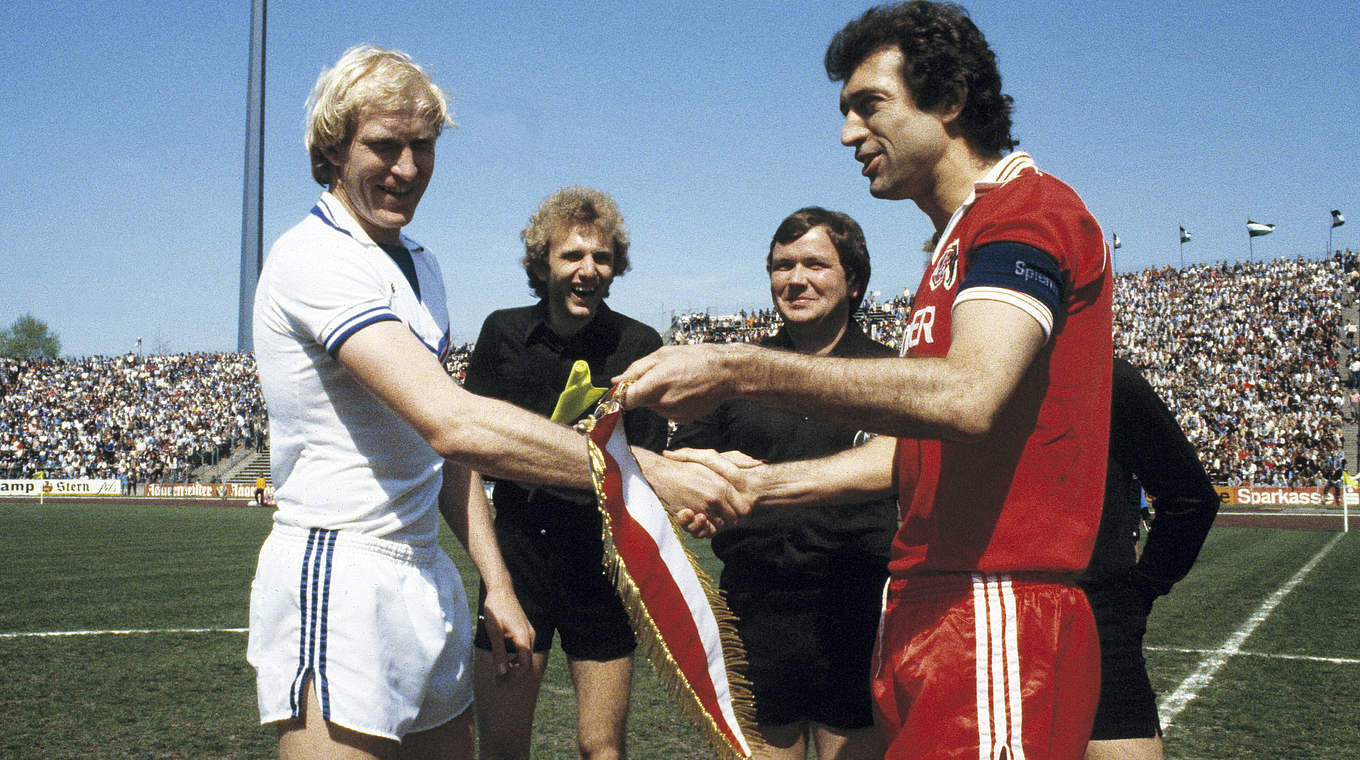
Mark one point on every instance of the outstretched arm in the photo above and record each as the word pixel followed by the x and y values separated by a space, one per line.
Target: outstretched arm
pixel 956 397
pixel 858 474
pixel 499 438
pixel 855 475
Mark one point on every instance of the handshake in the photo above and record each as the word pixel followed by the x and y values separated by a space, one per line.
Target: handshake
pixel 706 490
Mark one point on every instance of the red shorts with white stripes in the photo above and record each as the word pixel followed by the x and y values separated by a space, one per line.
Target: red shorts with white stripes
pixel 987 667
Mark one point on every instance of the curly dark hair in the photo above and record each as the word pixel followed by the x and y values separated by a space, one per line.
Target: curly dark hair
pixel 845 235
pixel 944 54
pixel 561 212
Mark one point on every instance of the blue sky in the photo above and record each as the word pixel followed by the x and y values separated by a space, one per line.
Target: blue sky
pixel 124 127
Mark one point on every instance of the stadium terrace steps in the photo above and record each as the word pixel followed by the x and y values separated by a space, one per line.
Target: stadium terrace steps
pixel 256 465
pixel 243 465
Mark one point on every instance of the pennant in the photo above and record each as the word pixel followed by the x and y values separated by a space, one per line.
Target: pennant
pixel 1350 481
pixel 1185 235
pixel 680 619
pixel 578 396
pixel 1117 244
pixel 1337 218
pixel 1257 229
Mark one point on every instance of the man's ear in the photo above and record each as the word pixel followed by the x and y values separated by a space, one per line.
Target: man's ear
pixel 334 155
pixel 950 110
pixel 538 272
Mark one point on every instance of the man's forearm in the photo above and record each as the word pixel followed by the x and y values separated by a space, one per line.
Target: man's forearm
pixel 955 397
pixel 463 503
pixel 855 475
pixel 897 397
pixel 502 440
pixel 859 474
pixel 959 396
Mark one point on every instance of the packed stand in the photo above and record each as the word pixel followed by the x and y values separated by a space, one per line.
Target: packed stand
pixel 882 321
pixel 137 418
pixel 1253 357
pixel 456 362
pixel 1245 353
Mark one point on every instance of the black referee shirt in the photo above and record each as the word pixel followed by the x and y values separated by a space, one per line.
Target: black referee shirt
pixel 1147 443
pixel 791 547
pixel 520 359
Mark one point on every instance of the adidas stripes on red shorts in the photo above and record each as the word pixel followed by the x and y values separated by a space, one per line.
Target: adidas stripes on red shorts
pixel 987 667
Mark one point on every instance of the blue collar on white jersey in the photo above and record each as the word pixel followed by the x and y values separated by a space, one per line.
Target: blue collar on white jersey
pixel 333 213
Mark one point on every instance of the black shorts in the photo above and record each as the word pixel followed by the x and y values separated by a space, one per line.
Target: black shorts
pixel 809 651
pixel 560 580
pixel 1128 706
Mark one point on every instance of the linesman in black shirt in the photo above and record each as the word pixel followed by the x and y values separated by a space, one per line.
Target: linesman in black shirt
pixel 806 584
pixel 575 245
pixel 1147 447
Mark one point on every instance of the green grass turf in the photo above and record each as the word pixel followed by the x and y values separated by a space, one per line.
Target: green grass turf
pixel 1264 702
pixel 110 566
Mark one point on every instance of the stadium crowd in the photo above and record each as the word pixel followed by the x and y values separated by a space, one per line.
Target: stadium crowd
pixel 137 418
pixel 882 321
pixel 1247 355
pixel 1254 358
pixel 456 362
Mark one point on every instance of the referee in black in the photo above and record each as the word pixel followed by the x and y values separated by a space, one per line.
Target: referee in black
pixel 575 245
pixel 1147 448
pixel 806 584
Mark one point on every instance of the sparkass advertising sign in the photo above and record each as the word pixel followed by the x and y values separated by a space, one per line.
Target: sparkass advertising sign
pixel 1279 496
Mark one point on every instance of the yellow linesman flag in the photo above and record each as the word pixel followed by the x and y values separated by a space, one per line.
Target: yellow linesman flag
pixel 578 397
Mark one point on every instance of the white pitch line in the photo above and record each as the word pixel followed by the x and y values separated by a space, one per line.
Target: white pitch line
pixel 1171 707
pixel 59 634
pixel 1263 655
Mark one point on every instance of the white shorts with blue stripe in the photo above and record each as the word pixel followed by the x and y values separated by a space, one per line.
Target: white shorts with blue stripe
pixel 382 628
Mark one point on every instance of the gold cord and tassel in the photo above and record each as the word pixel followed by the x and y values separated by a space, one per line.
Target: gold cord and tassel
pixel 648 633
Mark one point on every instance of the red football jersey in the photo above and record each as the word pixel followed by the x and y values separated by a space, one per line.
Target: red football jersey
pixel 1028 497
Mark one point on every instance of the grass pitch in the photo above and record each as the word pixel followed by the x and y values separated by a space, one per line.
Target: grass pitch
pixel 119 632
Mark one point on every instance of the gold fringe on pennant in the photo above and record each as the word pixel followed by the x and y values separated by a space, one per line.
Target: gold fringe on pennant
pixel 659 655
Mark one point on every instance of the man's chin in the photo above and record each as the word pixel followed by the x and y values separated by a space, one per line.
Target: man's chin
pixel 584 310
pixel 885 193
pixel 396 219
pixel 799 316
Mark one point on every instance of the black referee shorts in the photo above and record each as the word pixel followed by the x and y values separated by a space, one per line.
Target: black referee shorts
pixel 1128 706
pixel 561 583
pixel 809 651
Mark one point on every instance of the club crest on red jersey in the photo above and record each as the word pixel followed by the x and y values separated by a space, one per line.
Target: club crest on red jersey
pixel 946 267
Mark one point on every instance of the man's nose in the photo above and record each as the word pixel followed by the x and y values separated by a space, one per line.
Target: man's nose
pixel 853 130
pixel 405 167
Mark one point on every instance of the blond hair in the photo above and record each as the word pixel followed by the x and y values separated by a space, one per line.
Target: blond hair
pixel 366 78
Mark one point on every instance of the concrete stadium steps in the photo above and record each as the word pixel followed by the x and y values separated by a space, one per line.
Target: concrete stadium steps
pixel 254 465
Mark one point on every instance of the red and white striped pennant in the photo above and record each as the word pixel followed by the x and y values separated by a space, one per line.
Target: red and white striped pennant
pixel 681 620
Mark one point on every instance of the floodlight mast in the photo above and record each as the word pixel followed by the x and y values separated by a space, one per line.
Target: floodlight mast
pixel 252 207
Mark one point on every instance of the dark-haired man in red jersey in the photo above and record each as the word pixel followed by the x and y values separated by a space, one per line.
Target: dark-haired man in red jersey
pixel 1000 408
